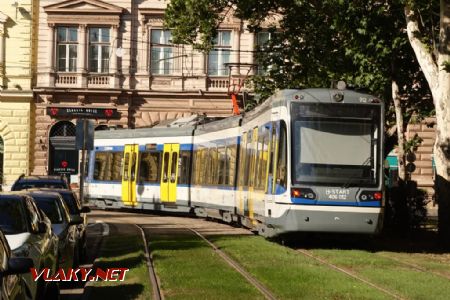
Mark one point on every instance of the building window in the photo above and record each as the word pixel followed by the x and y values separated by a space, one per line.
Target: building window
pixel 67 44
pixel 220 55
pixel 161 60
pixel 99 43
pixel 262 39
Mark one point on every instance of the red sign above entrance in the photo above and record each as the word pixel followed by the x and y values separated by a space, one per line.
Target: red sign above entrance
pixel 83 112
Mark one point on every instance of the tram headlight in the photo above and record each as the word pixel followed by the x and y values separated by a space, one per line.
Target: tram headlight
pixel 305 193
pixel 371 196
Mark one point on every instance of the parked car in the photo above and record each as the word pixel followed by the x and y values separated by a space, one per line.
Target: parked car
pixel 29 234
pixel 53 205
pixel 50 181
pixel 12 285
pixel 77 213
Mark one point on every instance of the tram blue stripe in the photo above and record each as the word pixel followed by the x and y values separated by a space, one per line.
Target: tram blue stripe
pixel 335 203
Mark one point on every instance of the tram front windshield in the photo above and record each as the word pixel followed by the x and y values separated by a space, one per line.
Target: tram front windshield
pixel 335 144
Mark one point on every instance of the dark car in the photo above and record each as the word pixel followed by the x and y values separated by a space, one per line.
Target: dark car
pixel 49 181
pixel 77 212
pixel 29 234
pixel 52 204
pixel 12 285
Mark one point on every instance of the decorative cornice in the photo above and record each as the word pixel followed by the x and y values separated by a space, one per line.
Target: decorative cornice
pixel 83 12
pixel 91 7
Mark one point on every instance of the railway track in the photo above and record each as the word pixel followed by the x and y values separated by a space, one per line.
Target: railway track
pixel 414 266
pixel 156 287
pixel 158 293
pixel 349 273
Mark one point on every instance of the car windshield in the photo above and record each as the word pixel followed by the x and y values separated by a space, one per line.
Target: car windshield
pixel 31 185
pixel 12 216
pixel 71 203
pixel 50 207
pixel 335 145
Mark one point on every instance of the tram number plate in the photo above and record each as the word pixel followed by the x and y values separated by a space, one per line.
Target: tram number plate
pixel 337 194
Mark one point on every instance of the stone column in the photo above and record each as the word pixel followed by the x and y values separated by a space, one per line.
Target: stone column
pixel 236 47
pixel 82 49
pixel 51 54
pixel 82 69
pixel 114 45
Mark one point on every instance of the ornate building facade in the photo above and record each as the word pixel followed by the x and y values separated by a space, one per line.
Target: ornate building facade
pixel 116 54
pixel 18 23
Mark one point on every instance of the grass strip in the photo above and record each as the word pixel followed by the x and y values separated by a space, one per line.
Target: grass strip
pixel 188 268
pixel 410 283
pixel 123 251
pixel 430 261
pixel 289 274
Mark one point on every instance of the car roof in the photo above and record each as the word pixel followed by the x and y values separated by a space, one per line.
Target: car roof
pixel 56 190
pixel 44 193
pixel 19 195
pixel 41 177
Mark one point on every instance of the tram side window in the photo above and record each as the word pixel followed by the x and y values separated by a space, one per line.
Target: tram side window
pixel 242 157
pixel 185 162
pixel 222 165
pixel 282 156
pixel 149 167
pixel 230 164
pixel 214 166
pixel 107 166
pixel 116 166
pixel 263 146
pixel 273 144
pixel 248 157
pixel 101 159
pixel 197 171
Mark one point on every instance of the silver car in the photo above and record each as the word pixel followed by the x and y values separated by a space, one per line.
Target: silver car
pixel 63 226
pixel 29 234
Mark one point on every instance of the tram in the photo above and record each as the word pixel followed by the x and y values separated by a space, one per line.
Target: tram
pixel 304 160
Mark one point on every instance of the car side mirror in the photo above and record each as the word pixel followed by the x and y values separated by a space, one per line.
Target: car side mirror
pixel 42 227
pixel 19 265
pixel 75 220
pixel 85 210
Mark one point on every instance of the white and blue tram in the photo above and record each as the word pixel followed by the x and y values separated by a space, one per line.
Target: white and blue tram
pixel 304 160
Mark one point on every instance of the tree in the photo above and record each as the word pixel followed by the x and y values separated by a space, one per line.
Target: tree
pixel 362 42
pixel 434 60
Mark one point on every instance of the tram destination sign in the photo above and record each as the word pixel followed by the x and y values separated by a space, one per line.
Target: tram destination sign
pixel 83 112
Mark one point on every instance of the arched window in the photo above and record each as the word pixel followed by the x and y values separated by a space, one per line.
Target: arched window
pixel 63 153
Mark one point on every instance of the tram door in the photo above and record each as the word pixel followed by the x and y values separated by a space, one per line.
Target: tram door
pixel 169 173
pixel 252 174
pixel 241 194
pixel 129 174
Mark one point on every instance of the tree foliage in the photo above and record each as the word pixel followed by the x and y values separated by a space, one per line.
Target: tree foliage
pixel 318 42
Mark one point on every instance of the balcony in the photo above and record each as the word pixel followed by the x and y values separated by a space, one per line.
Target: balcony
pixel 82 80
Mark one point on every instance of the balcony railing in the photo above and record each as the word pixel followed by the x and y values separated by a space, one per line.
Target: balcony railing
pixel 98 80
pixel 66 80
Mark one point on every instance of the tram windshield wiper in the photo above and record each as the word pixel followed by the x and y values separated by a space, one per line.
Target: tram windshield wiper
pixel 367 162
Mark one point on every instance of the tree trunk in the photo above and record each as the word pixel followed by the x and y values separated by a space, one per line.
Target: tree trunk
pixel 442 145
pixel 439 81
pixel 400 131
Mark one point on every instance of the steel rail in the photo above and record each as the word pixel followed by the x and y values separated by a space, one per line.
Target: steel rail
pixel 157 294
pixel 253 281
pixel 349 273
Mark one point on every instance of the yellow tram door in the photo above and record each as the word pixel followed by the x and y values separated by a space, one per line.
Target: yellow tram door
pixel 242 161
pixel 169 173
pixel 129 174
pixel 252 175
